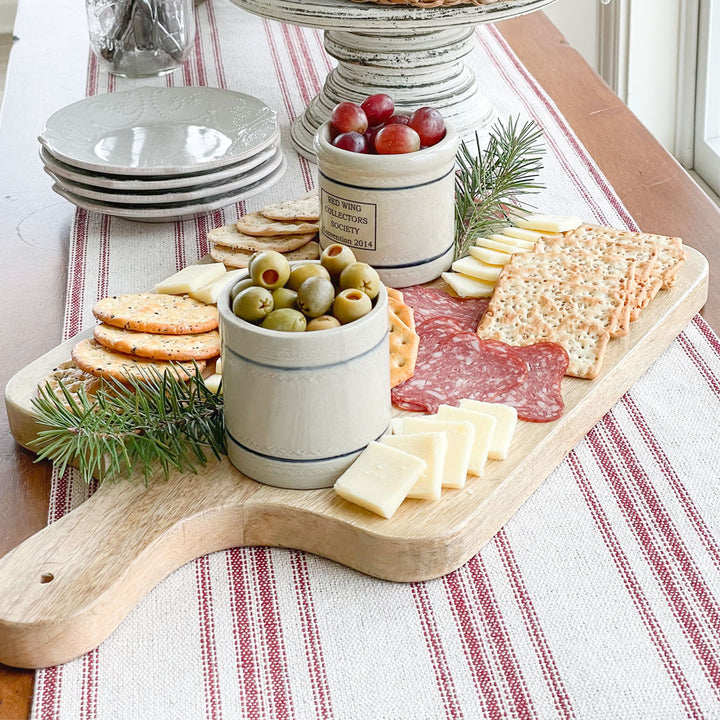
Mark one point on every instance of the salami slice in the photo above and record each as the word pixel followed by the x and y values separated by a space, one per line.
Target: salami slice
pixel 453 365
pixel 538 398
pixel 428 303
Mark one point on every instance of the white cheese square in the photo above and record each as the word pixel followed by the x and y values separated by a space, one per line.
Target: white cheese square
pixel 477 269
pixel 551 223
pixel 460 435
pixel 190 278
pixel 484 430
pixel 468 287
pixel 396 425
pixel 506 422
pixel 514 242
pixel 211 292
pixel 380 479
pixel 212 382
pixel 525 234
pixel 501 246
pixel 492 257
pixel 430 447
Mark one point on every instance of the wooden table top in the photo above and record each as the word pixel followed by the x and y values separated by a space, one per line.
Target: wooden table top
pixel 656 190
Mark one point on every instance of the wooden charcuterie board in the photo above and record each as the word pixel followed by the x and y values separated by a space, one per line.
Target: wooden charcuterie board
pixel 64 590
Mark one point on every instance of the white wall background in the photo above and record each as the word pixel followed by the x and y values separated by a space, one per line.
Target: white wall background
pixel 7 15
pixel 577 20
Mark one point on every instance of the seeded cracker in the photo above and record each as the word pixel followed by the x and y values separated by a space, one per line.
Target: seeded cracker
pixel 307 209
pixel 157 313
pixel 73 379
pixel 257 224
pixel 229 236
pixel 97 360
pixel 199 346
pixel 240 258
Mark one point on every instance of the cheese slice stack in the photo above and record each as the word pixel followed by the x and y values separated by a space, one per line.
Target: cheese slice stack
pixel 474 276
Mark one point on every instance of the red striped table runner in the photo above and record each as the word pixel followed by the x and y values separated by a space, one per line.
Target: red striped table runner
pixel 599 599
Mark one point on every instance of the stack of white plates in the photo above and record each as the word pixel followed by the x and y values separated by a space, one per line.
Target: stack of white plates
pixel 161 154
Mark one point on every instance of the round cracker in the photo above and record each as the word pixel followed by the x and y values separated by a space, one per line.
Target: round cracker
pixel 92 357
pixel 157 313
pixel 74 380
pixel 302 209
pixel 240 258
pixel 257 224
pixel 230 236
pixel 200 346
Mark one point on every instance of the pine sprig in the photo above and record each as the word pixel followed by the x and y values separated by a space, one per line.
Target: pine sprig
pixel 128 428
pixel 490 181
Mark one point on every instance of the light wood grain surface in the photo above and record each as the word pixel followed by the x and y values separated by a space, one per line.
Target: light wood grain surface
pixel 654 188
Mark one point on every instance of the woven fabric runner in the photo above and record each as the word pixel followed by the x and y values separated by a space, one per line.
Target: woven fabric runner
pixel 599 599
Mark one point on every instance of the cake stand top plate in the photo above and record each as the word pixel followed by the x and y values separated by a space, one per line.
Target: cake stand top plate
pixel 348 15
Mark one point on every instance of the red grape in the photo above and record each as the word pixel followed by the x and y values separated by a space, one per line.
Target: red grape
pixel 396 139
pixel 378 108
pixel 398 120
pixel 370 134
pixel 348 117
pixel 429 125
pixel 352 141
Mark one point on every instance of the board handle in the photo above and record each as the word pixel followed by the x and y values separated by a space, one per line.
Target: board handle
pixel 66 588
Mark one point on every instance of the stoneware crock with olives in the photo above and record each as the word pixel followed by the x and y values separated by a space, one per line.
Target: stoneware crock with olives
pixel 395 211
pixel 306 373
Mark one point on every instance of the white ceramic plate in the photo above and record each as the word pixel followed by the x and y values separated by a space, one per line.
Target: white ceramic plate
pixel 156 198
pixel 173 211
pixel 171 182
pixel 160 131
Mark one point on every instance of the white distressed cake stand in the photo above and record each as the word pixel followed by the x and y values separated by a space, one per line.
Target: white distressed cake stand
pixel 413 54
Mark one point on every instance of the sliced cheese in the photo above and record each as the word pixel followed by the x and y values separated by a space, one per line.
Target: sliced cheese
pixel 501 246
pixel 430 447
pixel 506 421
pixel 209 293
pixel 467 287
pixel 551 223
pixel 213 382
pixel 396 425
pixel 513 242
pixel 380 479
pixel 190 278
pixel 477 269
pixel 460 435
pixel 525 234
pixel 484 430
pixel 492 257
pixel 218 366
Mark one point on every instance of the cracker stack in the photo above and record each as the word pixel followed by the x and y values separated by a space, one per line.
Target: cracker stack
pixel 580 290
pixel 404 341
pixel 149 332
pixel 288 227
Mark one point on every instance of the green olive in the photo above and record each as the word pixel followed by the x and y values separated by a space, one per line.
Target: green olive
pixel 362 277
pixel 239 286
pixel 300 273
pixel 253 303
pixel 324 322
pixel 351 304
pixel 269 269
pixel 284 298
pixel 315 296
pixel 285 320
pixel 335 258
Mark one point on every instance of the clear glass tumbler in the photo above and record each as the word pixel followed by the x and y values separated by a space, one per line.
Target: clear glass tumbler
pixel 141 38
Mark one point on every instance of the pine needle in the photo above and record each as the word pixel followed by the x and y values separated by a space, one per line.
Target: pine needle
pixel 157 421
pixel 490 181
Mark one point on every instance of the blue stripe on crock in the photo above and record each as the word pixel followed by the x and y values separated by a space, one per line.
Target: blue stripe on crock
pixel 392 189
pixel 299 460
pixel 306 367
pixel 415 264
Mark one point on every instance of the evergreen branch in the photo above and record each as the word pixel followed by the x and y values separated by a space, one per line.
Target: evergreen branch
pixel 489 181
pixel 155 420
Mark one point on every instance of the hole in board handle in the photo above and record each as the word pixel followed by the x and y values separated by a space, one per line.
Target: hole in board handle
pixel 46 578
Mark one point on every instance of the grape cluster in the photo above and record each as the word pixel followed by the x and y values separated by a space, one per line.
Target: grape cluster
pixel 373 127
